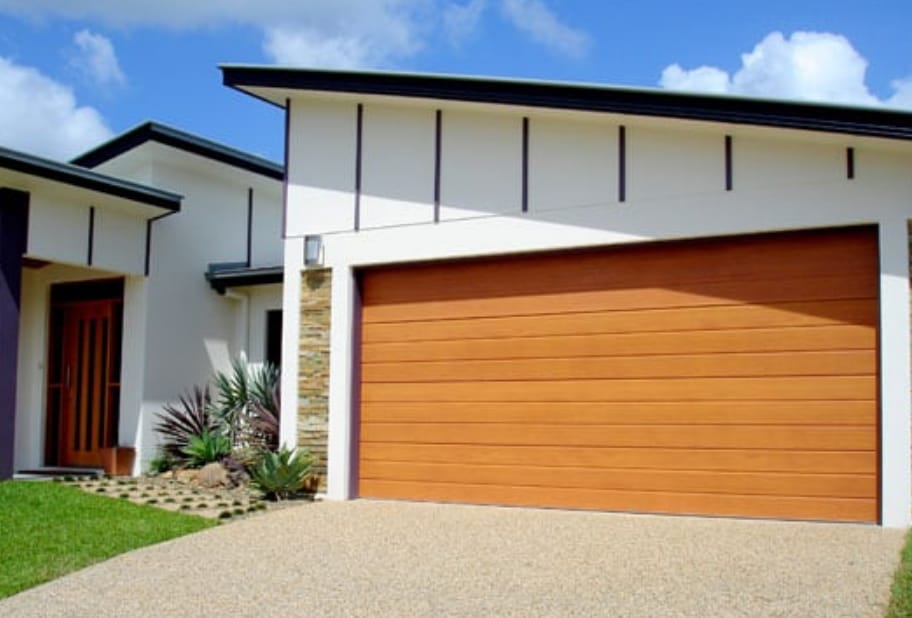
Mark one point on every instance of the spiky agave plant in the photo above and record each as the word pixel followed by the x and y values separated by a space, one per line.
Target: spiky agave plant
pixel 190 416
pixel 281 474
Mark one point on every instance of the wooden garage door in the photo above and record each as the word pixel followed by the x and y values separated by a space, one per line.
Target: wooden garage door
pixel 734 376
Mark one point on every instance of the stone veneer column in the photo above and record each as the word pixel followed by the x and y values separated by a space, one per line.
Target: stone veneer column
pixel 313 370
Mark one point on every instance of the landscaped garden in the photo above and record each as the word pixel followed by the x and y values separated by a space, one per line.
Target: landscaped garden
pixel 219 460
pixel 232 439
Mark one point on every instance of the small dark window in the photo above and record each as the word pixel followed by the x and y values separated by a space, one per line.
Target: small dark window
pixel 274 337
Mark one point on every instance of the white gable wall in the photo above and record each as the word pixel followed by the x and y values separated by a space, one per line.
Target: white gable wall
pixel 674 189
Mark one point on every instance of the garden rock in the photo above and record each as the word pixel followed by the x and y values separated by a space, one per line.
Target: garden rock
pixel 212 475
pixel 185 476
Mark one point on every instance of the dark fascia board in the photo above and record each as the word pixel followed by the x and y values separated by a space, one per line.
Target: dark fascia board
pixel 230 275
pixel 163 134
pixel 87 179
pixel 863 121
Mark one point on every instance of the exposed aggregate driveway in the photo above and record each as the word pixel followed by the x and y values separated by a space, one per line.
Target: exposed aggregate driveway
pixel 372 558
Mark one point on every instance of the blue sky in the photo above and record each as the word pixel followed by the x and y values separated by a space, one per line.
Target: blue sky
pixel 73 73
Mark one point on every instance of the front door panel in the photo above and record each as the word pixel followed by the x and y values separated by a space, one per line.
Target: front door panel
pixel 86 416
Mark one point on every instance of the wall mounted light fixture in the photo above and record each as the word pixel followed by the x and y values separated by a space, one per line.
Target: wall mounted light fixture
pixel 313 250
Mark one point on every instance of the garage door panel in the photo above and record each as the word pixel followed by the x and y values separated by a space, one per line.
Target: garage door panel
pixel 731 377
pixel 814 508
pixel 750 483
pixel 669 389
pixel 820 313
pixel 651 457
pixel 629 413
pixel 668 265
pixel 850 437
pixel 805 338
pixel 768 291
pixel 820 363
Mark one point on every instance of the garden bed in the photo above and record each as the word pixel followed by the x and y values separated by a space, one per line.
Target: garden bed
pixel 178 491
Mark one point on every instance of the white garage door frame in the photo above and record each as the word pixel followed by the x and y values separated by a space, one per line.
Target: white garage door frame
pixel 895 365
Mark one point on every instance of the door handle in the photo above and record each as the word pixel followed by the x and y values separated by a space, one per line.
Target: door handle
pixel 66 375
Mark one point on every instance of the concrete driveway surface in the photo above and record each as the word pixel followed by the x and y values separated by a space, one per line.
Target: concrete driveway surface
pixel 371 558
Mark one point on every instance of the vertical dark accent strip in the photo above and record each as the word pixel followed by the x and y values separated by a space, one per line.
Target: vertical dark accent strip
pixel 249 226
pixel 525 164
pixel 622 163
pixel 91 251
pixel 103 440
pixel 359 124
pixel 80 367
pixel 91 384
pixel 14 214
pixel 850 163
pixel 148 266
pixel 728 162
pixel 438 134
pixel 285 164
pixel 148 246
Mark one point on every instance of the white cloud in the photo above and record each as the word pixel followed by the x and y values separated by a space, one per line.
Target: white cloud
pixel 307 47
pixel 902 93
pixel 701 79
pixel 328 33
pixel 811 66
pixel 340 33
pixel 41 116
pixel 96 59
pixel 461 20
pixel 538 21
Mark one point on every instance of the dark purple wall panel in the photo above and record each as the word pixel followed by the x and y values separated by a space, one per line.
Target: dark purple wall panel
pixel 13 238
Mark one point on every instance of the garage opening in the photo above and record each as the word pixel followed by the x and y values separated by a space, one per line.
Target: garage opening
pixel 733 376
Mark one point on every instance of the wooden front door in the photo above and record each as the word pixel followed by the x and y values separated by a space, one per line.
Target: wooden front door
pixel 84 379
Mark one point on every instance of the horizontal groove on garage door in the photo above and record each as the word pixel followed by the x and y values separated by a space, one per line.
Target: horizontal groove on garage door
pixel 733 377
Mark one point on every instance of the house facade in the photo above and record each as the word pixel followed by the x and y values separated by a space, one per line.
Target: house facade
pixel 573 296
pixel 129 294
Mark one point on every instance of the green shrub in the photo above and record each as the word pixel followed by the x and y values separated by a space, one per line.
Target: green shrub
pixel 283 473
pixel 206 448
pixel 163 462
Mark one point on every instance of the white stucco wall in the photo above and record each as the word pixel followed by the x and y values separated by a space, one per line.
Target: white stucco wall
pixel 189 330
pixel 59 231
pixel 675 189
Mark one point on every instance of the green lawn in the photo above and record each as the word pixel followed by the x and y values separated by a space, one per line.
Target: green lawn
pixel 901 603
pixel 48 530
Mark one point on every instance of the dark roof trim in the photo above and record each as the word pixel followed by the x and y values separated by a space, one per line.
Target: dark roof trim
pixel 642 102
pixel 86 179
pixel 237 274
pixel 155 132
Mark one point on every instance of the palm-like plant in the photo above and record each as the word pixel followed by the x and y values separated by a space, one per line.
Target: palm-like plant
pixel 190 416
pixel 246 393
pixel 264 423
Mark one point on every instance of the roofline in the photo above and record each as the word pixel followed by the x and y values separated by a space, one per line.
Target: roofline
pixel 237 274
pixel 87 179
pixel 163 134
pixel 864 121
